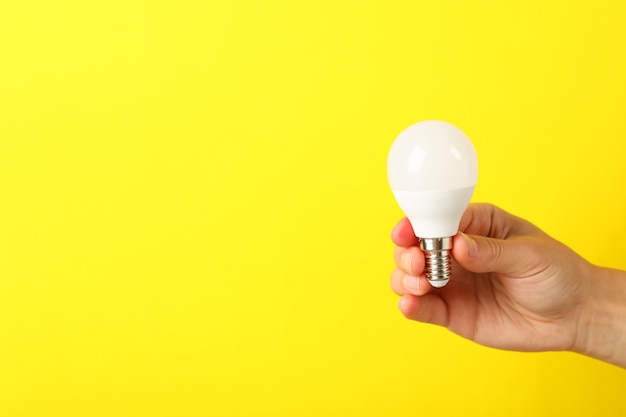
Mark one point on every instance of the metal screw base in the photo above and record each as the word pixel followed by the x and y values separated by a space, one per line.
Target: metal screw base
pixel 437 255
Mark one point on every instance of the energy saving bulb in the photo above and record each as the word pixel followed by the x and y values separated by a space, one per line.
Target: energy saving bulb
pixel 433 169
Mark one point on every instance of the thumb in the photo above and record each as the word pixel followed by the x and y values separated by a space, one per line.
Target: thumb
pixel 515 256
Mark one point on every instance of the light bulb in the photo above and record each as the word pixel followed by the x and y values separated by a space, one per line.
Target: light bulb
pixel 433 169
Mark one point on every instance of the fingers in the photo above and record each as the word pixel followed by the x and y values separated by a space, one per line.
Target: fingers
pixel 516 257
pixel 403 235
pixel 429 308
pixel 409 276
pixel 410 260
pixel 403 283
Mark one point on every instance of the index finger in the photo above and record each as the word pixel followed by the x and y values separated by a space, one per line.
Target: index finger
pixel 403 235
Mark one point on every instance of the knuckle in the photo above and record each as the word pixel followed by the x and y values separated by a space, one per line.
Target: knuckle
pixel 495 250
pixel 396 282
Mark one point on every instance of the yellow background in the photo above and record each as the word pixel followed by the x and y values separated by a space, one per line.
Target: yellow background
pixel 195 217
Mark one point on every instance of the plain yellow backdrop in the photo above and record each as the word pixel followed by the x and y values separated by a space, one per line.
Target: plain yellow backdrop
pixel 194 210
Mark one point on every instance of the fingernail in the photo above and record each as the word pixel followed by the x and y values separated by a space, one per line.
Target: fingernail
pixel 411 283
pixel 472 246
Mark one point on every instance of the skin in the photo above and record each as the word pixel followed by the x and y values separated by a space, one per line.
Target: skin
pixel 514 287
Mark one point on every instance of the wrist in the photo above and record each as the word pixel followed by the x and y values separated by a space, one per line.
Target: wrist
pixel 601 330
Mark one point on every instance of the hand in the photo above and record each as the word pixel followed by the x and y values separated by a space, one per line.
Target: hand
pixel 512 287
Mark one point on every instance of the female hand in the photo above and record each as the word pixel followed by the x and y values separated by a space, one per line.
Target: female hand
pixel 512 287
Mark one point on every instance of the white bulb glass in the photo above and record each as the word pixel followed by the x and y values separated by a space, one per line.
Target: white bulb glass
pixel 433 169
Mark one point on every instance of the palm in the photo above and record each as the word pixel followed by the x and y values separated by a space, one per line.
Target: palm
pixel 506 312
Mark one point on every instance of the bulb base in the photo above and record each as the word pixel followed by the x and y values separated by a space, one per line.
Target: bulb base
pixel 437 257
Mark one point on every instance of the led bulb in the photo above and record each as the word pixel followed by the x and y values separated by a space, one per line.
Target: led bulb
pixel 432 169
